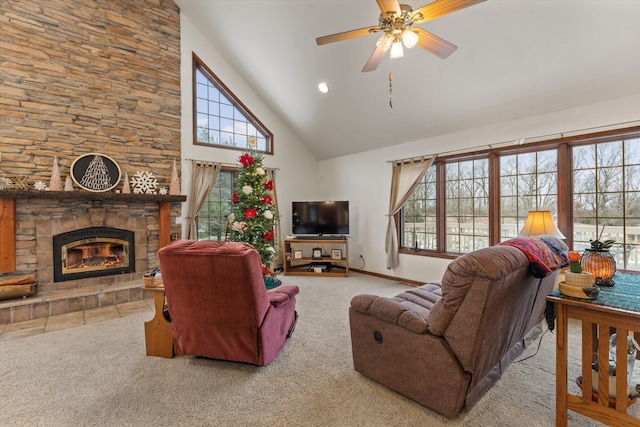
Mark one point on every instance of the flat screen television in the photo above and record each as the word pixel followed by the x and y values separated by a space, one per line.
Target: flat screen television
pixel 328 217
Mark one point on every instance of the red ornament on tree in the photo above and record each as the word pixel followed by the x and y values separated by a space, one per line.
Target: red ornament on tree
pixel 268 235
pixel 246 160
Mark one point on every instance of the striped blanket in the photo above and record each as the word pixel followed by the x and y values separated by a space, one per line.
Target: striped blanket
pixel 543 253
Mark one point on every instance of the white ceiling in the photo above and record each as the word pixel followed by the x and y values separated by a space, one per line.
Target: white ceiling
pixel 515 58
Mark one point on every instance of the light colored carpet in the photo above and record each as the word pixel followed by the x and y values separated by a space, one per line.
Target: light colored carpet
pixel 99 375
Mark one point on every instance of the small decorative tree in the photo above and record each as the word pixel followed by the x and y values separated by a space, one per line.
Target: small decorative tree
pixel 253 215
pixel 55 184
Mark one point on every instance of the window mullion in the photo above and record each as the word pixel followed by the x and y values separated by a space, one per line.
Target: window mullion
pixel 494 199
pixel 564 169
pixel 441 221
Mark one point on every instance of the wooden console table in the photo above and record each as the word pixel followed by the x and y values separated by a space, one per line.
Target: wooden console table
pixel 616 308
pixel 158 335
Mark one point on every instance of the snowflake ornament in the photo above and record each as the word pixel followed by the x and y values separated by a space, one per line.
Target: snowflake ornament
pixel 5 183
pixel 40 185
pixel 144 183
pixel 163 191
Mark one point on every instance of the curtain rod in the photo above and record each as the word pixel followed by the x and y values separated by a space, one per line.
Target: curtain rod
pixel 413 159
pixel 522 141
pixel 210 162
pixel 235 165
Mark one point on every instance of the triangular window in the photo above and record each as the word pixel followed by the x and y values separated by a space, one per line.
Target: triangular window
pixel 220 119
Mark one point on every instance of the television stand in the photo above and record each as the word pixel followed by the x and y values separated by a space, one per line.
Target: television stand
pixel 299 261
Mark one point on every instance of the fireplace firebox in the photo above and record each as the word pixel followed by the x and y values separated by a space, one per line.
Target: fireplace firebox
pixel 93 252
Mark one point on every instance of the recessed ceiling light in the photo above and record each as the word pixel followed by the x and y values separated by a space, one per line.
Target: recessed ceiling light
pixel 323 87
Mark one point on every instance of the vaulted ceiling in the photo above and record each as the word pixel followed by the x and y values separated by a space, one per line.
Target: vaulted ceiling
pixel 515 58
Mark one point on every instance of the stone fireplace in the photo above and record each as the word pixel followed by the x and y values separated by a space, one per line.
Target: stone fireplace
pixel 85 249
pixel 118 93
pixel 93 252
pixel 88 229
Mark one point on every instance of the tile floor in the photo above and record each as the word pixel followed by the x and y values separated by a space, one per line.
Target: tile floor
pixel 75 319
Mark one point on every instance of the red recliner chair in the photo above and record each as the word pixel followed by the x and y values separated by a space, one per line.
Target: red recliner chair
pixel 219 305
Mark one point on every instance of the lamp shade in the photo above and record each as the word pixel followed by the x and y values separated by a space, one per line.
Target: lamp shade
pixel 396 49
pixel 409 38
pixel 384 42
pixel 540 223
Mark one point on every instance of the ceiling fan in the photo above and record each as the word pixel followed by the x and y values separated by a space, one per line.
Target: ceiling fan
pixel 396 22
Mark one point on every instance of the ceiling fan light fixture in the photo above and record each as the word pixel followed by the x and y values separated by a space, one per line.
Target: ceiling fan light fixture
pixel 409 38
pixel 396 49
pixel 384 42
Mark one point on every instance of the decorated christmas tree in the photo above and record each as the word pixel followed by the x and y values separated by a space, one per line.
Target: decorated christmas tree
pixel 253 215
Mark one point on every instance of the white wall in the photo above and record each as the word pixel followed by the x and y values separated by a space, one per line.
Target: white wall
pixel 298 169
pixel 364 179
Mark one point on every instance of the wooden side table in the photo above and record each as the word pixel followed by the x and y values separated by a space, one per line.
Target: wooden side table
pixel 613 310
pixel 157 332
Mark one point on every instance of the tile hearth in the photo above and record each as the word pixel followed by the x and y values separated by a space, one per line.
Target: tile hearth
pixel 55 303
pixel 75 319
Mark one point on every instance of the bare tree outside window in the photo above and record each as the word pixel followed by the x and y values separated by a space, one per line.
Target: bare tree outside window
pixel 604 193
pixel 606 204
pixel 528 182
pixel 467 205
pixel 220 119
pixel 420 215
pixel 212 218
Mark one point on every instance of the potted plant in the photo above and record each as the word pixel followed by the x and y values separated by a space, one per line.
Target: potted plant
pixel 575 276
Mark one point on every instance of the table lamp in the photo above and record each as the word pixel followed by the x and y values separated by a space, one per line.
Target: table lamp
pixel 540 223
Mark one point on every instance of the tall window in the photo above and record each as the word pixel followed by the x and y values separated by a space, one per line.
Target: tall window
pixel 220 119
pixel 528 182
pixel 212 219
pixel 606 204
pixel 420 214
pixel 467 205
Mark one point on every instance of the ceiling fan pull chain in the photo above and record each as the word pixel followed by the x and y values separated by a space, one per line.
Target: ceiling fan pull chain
pixel 390 90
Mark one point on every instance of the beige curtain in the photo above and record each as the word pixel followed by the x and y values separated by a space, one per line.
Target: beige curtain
pixel 404 179
pixel 203 176
pixel 278 261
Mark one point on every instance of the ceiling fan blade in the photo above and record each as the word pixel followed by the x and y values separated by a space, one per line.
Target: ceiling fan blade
pixel 434 44
pixel 346 35
pixel 389 6
pixel 440 8
pixel 375 59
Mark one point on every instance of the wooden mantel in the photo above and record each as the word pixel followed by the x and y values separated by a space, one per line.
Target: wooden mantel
pixel 8 214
